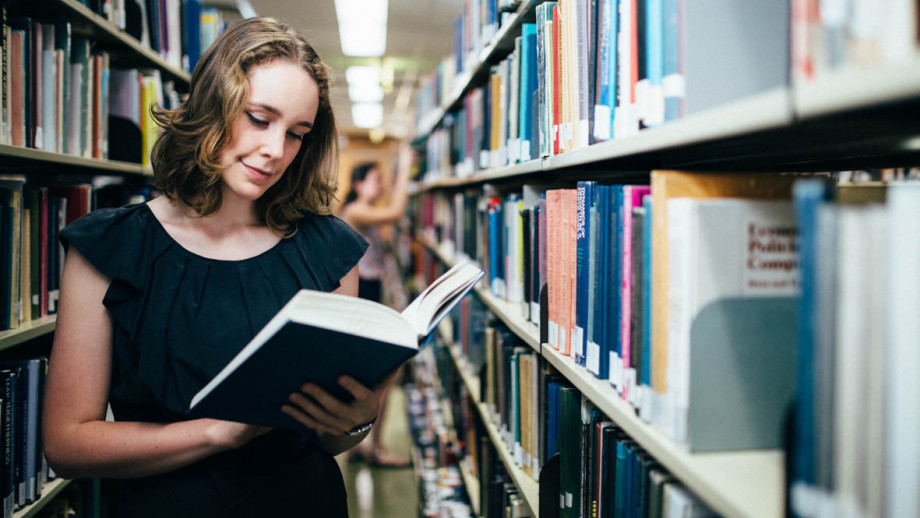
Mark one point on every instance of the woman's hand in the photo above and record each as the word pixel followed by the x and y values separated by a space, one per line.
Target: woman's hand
pixel 317 409
pixel 230 435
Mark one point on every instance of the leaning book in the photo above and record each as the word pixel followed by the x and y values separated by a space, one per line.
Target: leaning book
pixel 316 338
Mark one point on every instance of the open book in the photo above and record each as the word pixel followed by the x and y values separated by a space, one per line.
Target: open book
pixel 317 337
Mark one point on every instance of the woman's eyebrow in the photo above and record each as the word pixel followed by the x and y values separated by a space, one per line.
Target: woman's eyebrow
pixel 275 111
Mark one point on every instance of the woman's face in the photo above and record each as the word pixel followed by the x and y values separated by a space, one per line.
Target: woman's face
pixel 370 188
pixel 282 104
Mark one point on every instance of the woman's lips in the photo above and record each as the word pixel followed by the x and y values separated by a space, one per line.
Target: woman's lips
pixel 258 173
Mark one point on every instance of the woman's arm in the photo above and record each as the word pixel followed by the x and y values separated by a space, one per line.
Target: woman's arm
pixel 330 417
pixel 78 441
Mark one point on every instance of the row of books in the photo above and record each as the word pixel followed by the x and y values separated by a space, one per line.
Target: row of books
pixel 178 30
pixel 854 454
pixel 31 258
pixel 631 296
pixel 442 491
pixel 845 33
pixel 541 416
pixel 58 95
pixel 475 27
pixel 585 72
pixel 24 468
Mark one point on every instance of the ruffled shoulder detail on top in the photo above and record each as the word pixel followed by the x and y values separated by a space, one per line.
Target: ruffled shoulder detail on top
pixel 119 242
pixel 330 238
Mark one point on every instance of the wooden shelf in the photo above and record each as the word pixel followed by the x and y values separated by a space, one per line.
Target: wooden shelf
pixel 49 491
pixel 54 162
pixel 745 484
pixel 500 45
pixel 86 23
pixel 851 88
pixel 27 331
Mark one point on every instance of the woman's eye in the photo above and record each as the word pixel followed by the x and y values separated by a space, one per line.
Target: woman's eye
pixel 296 136
pixel 255 120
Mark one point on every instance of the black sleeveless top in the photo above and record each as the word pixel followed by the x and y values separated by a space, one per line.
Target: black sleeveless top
pixel 178 319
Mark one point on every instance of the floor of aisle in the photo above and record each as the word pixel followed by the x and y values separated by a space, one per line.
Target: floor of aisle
pixel 384 492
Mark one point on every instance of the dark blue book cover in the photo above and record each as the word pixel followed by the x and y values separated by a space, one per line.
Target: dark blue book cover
pixel 620 489
pixel 614 278
pixel 600 366
pixel 192 22
pixel 585 199
pixel 495 236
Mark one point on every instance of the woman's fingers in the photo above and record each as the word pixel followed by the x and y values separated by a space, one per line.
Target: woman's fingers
pixel 320 412
pixel 308 421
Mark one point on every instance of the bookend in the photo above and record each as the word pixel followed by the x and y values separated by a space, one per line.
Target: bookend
pixel 549 488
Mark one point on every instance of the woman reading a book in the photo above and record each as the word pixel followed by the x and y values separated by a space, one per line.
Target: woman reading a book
pixel 156 298
pixel 362 212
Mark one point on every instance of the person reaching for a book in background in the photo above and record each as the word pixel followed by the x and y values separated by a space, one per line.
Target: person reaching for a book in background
pixel 360 210
pixel 157 297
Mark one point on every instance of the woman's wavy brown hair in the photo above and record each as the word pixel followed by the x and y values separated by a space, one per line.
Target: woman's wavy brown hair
pixel 186 157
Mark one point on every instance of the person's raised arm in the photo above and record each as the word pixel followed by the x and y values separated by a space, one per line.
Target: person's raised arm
pixel 363 215
pixel 78 441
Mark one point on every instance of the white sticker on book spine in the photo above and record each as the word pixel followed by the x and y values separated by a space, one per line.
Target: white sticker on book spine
pixel 601 122
pixel 568 499
pixel 593 358
pixel 578 342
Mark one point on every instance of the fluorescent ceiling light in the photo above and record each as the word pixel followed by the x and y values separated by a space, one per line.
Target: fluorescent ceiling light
pixel 362 27
pixel 367 115
pixel 365 93
pixel 362 75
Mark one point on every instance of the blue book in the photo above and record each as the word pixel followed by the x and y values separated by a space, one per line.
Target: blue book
pixel 552 419
pixel 528 79
pixel 585 198
pixel 620 491
pixel 496 258
pixel 654 33
pixel 614 277
pixel 673 97
pixel 645 376
pixel 808 196
pixel 596 360
pixel 192 24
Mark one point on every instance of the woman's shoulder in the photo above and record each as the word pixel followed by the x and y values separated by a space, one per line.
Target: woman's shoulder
pixel 328 243
pixel 112 238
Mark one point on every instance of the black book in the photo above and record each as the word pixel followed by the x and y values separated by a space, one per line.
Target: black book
pixel 317 337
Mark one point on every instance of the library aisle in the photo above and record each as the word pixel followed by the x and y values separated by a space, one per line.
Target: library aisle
pixel 383 492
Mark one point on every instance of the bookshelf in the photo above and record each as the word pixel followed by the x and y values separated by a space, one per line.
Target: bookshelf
pixel 49 491
pixel 38 159
pixel 530 488
pixel 48 168
pixel 745 484
pixel 88 24
pixel 851 88
pixel 500 44
pixel 27 331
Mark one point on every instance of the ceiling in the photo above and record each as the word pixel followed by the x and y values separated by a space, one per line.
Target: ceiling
pixel 419 35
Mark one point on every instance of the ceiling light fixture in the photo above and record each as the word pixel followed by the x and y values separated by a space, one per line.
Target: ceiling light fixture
pixel 362 27
pixel 367 115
